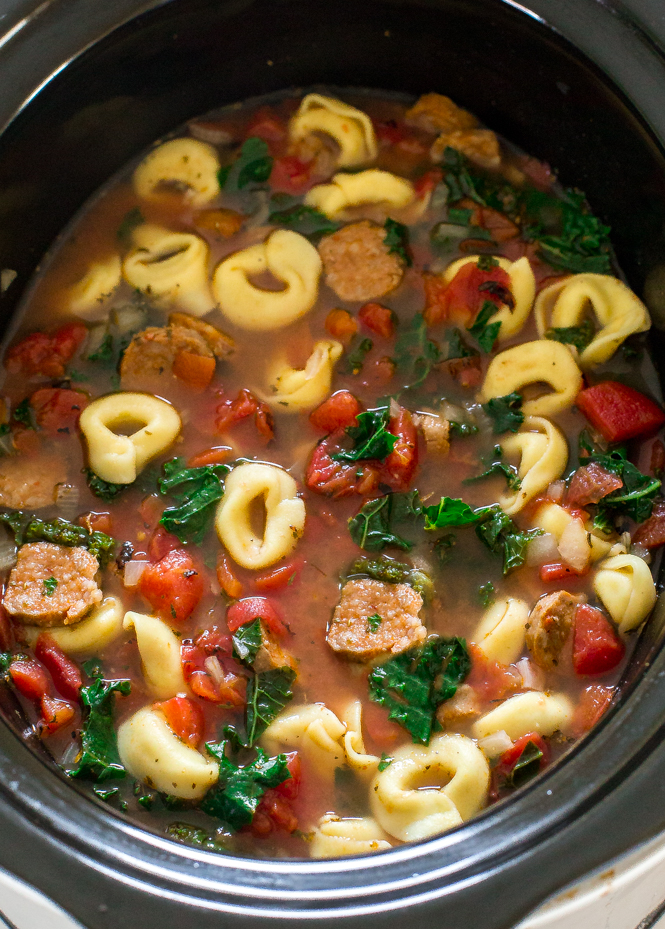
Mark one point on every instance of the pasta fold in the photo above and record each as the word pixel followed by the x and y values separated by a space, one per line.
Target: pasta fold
pixel 409 811
pixel 171 268
pixel 86 297
pixel 178 164
pixel 349 190
pixel 335 837
pixel 626 589
pixel 502 631
pixel 293 390
pixel 522 287
pixel 543 452
pixel 314 731
pixel 159 649
pixel 350 128
pixel 93 633
pixel 284 515
pixel 354 744
pixel 618 311
pixel 119 458
pixel 153 753
pixel 537 362
pixel 529 712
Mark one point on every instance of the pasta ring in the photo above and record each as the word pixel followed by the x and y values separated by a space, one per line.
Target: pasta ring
pixel 351 129
pixel 185 162
pixel 502 631
pixel 409 813
pixel 170 267
pixel 531 363
pixel 618 310
pixel 291 258
pixel 314 731
pixel 349 190
pixel 97 630
pixel 529 712
pixel 159 649
pixel 626 589
pixel 296 389
pixel 522 287
pixel 153 753
pixel 284 521
pixel 335 837
pixel 86 297
pixel 119 458
pixel 543 452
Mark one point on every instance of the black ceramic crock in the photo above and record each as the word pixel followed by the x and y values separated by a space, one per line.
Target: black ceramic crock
pixel 84 86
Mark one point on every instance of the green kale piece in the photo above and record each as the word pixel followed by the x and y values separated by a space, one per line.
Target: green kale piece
pixel 450 511
pixel 247 640
pixel 385 762
pixel 392 571
pixel 525 768
pixel 356 358
pixel 105 490
pixel 128 224
pixel 485 332
pixel 23 413
pixel 252 166
pixel 414 684
pixel 197 490
pixel 506 412
pixel 457 347
pixel 497 466
pixel 462 429
pixel 486 594
pixel 59 531
pixel 582 245
pixel 444 548
pixel 99 759
pixel 397 240
pixel 371 438
pixel 305 220
pixel 487 262
pixel 372 527
pixel 500 534
pixel 579 336
pixel 105 353
pixel 415 353
pixel 637 496
pixel 193 835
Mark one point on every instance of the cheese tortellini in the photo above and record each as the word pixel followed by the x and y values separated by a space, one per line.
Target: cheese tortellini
pixel 522 287
pixel 170 267
pixel 625 586
pixel 349 190
pixel 354 744
pixel 284 515
pixel 120 458
pixel 181 164
pixel 159 649
pixel 618 311
pixel 87 296
pixel 296 390
pixel 502 630
pixel 408 810
pixel 287 255
pixel 533 363
pixel 151 752
pixel 543 452
pixel 529 712
pixel 314 731
pixel 350 128
pixel 335 837
pixel 93 633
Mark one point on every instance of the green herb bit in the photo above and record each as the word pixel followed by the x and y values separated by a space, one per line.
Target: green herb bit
pixel 49 586
pixel 105 490
pixel 106 793
pixel 397 240
pixel 579 336
pixel 487 262
pixel 6 659
pixel 252 166
pixel 77 376
pixel 371 438
pixel 105 352
pixel 457 347
pixel 130 221
pixel 526 767
pixel 486 594
pixel 385 762
pixel 99 758
pixel 197 490
pixel 506 412
pixel 450 511
pixel 415 353
pixel 372 528
pixel 500 534
pixel 498 467
pixel 444 548
pixel 193 835
pixel 356 358
pixel 247 641
pixel 305 220
pixel 462 429
pixel 459 216
pixel 414 684
pixel 374 622
pixel 582 244
pixel 235 797
pixel 23 413
pixel 585 445
pixel 482 330
pixel 632 352
pixel 392 571
pixel 93 668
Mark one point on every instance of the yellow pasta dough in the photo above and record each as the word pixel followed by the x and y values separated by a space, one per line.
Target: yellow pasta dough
pixel 529 712
pixel 522 287
pixel 294 390
pixel 502 630
pixel 350 190
pixel 533 363
pixel 616 308
pixel 287 255
pixel 87 296
pixel 314 731
pixel 625 586
pixel 350 128
pixel 89 636
pixel 119 458
pixel 284 515
pixel 159 649
pixel 354 744
pixel 543 454
pixel 335 837
pixel 178 164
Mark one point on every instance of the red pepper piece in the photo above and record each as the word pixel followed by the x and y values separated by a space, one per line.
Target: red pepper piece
pixel 619 412
pixel 596 646
pixel 55 714
pixel 558 571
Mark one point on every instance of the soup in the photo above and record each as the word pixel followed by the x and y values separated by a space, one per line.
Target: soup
pixel 330 478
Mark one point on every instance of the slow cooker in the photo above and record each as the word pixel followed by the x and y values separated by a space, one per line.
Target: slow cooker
pixel 578 83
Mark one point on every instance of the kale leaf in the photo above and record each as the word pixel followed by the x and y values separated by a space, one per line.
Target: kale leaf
pixel 371 438
pixel 579 336
pixel 197 490
pixel 485 332
pixel 372 527
pixel 486 594
pixel 193 835
pixel 252 166
pixel 392 571
pixel 457 347
pixel 356 358
pixel 305 220
pixel 23 413
pixel 506 412
pixel 247 640
pixel 500 534
pixel 582 244
pixel 462 429
pixel 99 747
pixel 268 692
pixel 414 684
pixel 496 466
pixel 526 767
pixel 397 240
pixel 635 499
pixel 59 531
pixel 415 353
pixel 105 490
pixel 450 511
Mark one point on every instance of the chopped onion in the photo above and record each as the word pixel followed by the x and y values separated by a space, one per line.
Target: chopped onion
pixel 625 540
pixel 7 553
pixel 532 676
pixel 96 335
pixel 71 753
pixel 261 215
pixel 67 500
pixel 129 318
pixel 395 408
pixel 453 413
pixel 133 572
pixel 210 132
pixel 214 669
pixel 496 744
pixel 641 552
pixel 542 549
pixel 556 490
pixel 574 545
pixel 6 444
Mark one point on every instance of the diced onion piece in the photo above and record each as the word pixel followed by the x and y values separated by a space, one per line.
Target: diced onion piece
pixel 133 571
pixel 7 553
pixel 556 490
pixel 496 744
pixel 67 500
pixel 574 545
pixel 211 133
pixel 214 669
pixel 532 677
pixel 129 318
pixel 641 552
pixel 542 549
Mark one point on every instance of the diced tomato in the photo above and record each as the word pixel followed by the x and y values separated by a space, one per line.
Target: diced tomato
pixel 378 319
pixel 192 658
pixel 427 182
pixel 66 673
pixel 619 412
pixel 173 586
pixel 265 125
pixel 194 370
pixel 280 578
pixel 506 764
pixel 161 543
pixel 29 678
pixel 246 611
pixel 57 409
pixel 97 521
pixel 40 353
pixel 6 631
pixel 291 175
pixel 593 702
pixel 490 679
pixel 230 412
pixel 226 579
pixel 339 410
pixel 274 812
pixel 67 339
pixel 462 298
pixel 383 732
pixel 651 533
pixel 558 571
pixel 229 692
pixel 401 463
pixel 214 641
pixel 596 646
pixel 185 718
pixel 389 132
pixel 220 454
pixel 341 325
pixel 466 371
pixel 334 478
pixel 590 484
pixel 26 441
pixel 291 787
pixel 55 714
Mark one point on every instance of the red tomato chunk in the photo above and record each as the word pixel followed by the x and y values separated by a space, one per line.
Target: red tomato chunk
pixel 378 319
pixel 29 678
pixel 619 412
pixel 65 672
pixel 173 586
pixel 596 646
pixel 339 410
pixel 185 718
pixel 55 714
pixel 44 354
pixel 57 409
pixel 246 611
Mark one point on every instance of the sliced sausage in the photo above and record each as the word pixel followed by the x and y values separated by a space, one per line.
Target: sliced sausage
pixel 436 113
pixel 52 585
pixel 219 343
pixel 151 353
pixel 358 263
pixel 29 483
pixel 436 431
pixel 548 632
pixel 480 146
pixel 271 654
pixel 375 618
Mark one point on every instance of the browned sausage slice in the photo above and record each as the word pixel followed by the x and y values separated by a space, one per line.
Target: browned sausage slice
pixel 548 632
pixel 358 263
